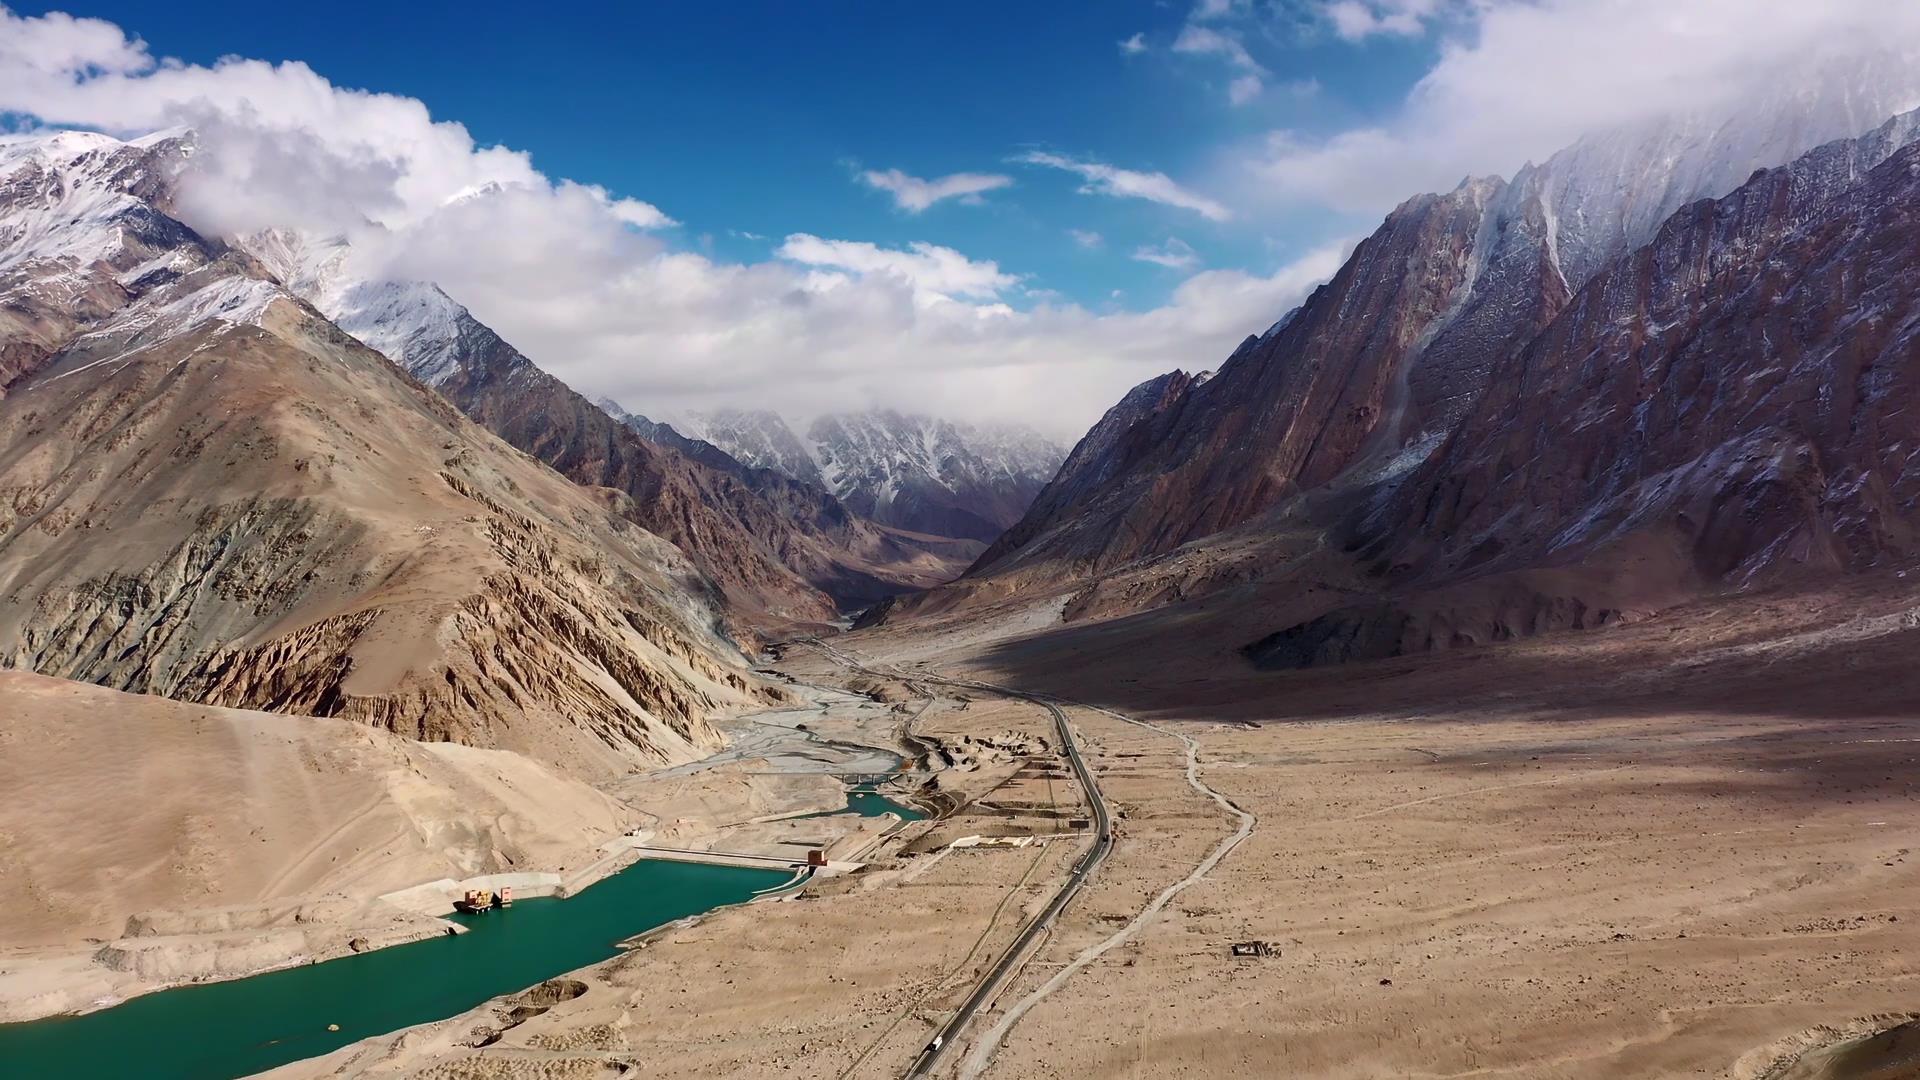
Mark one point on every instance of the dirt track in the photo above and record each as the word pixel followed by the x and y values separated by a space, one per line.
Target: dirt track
pixel 1676 849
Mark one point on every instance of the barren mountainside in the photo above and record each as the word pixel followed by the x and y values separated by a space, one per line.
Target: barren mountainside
pixel 209 492
pixel 777 552
pixel 1727 405
pixel 1419 372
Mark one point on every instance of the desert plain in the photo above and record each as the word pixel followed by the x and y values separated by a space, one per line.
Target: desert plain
pixel 1673 848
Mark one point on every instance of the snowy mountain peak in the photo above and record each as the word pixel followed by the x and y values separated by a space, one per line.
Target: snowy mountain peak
pixel 914 472
pixel 1610 191
pixel 85 242
pixel 414 323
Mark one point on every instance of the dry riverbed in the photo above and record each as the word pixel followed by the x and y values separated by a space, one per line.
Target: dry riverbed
pixel 1671 849
pixel 848 977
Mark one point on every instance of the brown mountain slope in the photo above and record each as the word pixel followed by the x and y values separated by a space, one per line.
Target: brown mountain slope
pixel 782 551
pixel 1379 367
pixel 216 495
pixel 283 807
pixel 1287 412
pixel 1727 405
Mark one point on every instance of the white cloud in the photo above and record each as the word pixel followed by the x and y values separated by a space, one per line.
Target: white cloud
pixel 1524 78
pixel 1216 9
pixel 1357 20
pixel 1134 45
pixel 933 272
pixel 1204 40
pixel 57 44
pixel 912 194
pixel 1104 179
pixel 1199 40
pixel 640 215
pixel 1175 254
pixel 613 308
pixel 294 149
pixel 1087 238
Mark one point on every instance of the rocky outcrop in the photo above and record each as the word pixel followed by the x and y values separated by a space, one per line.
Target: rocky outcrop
pixel 1503 608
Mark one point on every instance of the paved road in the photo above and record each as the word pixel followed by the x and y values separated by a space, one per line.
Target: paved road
pixel 1016 953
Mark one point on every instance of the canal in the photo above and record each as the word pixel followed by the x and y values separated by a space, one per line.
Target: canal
pixel 243 1026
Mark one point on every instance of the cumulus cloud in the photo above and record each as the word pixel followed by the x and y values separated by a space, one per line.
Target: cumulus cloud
pixel 934 273
pixel 912 194
pixel 1104 179
pixel 1244 89
pixel 1519 79
pixel 1357 20
pixel 1087 238
pixel 1134 45
pixel 591 287
pixel 1205 40
pixel 1196 39
pixel 1175 254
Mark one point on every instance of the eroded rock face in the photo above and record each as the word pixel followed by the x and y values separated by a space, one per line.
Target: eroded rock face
pixel 216 495
pixel 1386 362
pixel 1728 404
pixel 1745 379
pixel 1585 367
pixel 1287 412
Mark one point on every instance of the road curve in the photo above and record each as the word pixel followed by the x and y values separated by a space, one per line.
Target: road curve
pixel 1090 860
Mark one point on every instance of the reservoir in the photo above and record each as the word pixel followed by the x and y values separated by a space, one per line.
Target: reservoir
pixel 868 802
pixel 242 1026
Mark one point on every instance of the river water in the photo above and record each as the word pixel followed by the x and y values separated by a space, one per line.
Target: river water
pixel 243 1026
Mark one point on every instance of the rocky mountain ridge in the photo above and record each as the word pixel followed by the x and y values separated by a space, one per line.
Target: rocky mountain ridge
pixel 781 554
pixel 1518 408
pixel 912 472
pixel 1726 405
pixel 1376 366
pixel 209 492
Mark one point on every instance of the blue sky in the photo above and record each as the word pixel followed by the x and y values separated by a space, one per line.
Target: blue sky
pixel 755 118
pixel 669 203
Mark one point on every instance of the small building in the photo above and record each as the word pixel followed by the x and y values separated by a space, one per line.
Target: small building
pixel 816 857
pixel 1250 948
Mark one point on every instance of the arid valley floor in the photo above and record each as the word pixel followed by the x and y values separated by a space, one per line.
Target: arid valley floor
pixel 1670 849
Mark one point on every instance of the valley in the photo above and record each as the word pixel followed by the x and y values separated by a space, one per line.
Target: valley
pixel 1679 855
pixel 1416 576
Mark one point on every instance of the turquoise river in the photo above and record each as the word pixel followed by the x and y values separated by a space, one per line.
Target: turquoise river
pixel 226 1029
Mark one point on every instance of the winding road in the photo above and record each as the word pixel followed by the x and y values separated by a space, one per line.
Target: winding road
pixel 1016 953
pixel 1090 859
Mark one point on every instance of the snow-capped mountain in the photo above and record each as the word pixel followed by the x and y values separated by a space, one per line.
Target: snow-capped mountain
pixel 755 437
pixel 1553 226
pixel 413 323
pixel 84 239
pixel 1374 370
pixel 776 547
pixel 214 494
pixel 913 472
